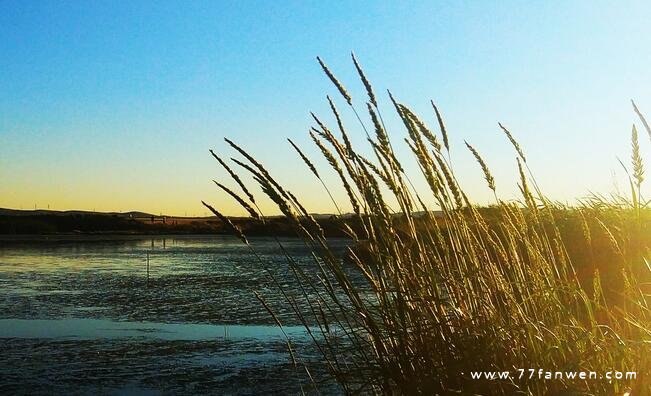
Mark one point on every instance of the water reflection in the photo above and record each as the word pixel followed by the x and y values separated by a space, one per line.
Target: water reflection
pixel 75 328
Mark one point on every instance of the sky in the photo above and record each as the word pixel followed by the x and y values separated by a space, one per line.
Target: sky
pixel 113 105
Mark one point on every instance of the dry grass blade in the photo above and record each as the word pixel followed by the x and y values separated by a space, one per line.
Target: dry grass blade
pixel 238 233
pixel 255 173
pixel 425 130
pixel 524 186
pixel 305 159
pixel 314 171
pixel 262 170
pixel 639 114
pixel 239 200
pixel 344 135
pixel 380 133
pixel 336 82
pixel 487 173
pixel 278 323
pixel 234 176
pixel 450 181
pixel 636 158
pixel 335 165
pixel 444 131
pixel 514 142
pixel 367 84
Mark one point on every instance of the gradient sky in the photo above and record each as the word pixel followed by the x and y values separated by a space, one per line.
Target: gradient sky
pixel 113 105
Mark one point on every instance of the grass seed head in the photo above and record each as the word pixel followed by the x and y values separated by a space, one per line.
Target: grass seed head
pixel 336 82
pixel 367 84
pixel 487 173
pixel 636 158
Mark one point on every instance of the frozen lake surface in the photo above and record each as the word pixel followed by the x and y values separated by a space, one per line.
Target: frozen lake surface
pixel 83 317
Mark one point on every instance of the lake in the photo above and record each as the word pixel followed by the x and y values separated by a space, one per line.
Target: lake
pixel 91 316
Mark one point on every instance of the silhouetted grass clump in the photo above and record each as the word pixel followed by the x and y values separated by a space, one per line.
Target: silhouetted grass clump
pixel 515 285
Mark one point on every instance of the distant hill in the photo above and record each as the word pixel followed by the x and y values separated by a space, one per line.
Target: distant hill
pixel 52 222
pixel 20 212
pixel 22 222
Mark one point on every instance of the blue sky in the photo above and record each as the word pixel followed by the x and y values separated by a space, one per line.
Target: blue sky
pixel 113 105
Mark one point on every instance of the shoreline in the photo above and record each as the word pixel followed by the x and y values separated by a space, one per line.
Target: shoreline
pixel 100 237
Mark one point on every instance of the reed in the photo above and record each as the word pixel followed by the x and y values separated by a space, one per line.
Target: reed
pixel 516 285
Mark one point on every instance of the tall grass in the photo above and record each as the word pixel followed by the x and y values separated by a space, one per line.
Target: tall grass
pixel 516 285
